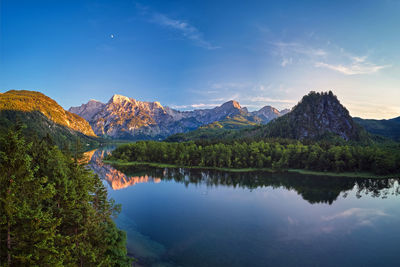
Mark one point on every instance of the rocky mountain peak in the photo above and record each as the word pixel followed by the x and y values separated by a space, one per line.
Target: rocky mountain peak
pixel 118 99
pixel 269 109
pixel 267 113
pixel 316 116
pixel 231 104
pixel 126 118
pixel 157 104
pixel 88 110
pixel 284 111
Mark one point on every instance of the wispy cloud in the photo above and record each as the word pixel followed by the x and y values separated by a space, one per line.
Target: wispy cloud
pixel 194 106
pixel 286 61
pixel 228 85
pixel 184 28
pixel 357 66
pixel 271 100
pixel 187 30
pixel 295 52
pixel 359 213
pixel 289 51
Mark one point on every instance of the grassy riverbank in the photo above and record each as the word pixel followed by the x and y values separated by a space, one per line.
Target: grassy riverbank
pixel 301 171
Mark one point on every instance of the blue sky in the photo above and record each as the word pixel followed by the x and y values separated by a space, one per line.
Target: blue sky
pixel 199 54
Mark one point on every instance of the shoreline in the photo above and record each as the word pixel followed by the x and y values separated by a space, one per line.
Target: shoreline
pixel 270 170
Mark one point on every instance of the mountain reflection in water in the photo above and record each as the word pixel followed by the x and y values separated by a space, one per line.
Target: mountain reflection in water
pixel 314 189
pixel 116 179
pixel 198 218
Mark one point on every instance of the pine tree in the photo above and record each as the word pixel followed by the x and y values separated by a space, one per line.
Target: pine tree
pixel 29 226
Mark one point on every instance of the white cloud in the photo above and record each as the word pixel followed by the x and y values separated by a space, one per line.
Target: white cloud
pixel 360 213
pixel 358 66
pixel 294 52
pixel 285 49
pixel 187 30
pixel 272 100
pixel 286 61
pixel 194 106
pixel 230 85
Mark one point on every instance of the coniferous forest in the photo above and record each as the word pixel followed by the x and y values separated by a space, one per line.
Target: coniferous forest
pixel 53 210
pixel 276 154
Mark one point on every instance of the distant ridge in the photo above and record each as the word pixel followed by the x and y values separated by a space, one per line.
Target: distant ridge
pixel 387 128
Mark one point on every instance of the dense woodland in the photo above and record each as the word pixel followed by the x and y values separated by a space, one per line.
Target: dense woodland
pixel 277 155
pixel 53 211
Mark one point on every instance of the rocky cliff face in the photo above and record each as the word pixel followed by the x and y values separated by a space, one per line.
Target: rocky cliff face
pixel 31 102
pixel 268 113
pixel 87 111
pixel 315 116
pixel 126 118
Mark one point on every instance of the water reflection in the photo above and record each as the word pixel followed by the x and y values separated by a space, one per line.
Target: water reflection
pixel 314 189
pixel 116 179
pixel 209 218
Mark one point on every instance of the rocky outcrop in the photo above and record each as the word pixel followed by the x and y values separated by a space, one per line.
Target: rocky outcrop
pixel 87 111
pixel 268 113
pixel 316 116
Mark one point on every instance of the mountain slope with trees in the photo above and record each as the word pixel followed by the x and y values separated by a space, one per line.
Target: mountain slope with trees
pixel 43 116
pixel 54 211
pixel 316 116
pixel 387 128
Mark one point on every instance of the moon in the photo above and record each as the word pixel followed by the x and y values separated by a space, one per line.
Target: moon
pixel 112 36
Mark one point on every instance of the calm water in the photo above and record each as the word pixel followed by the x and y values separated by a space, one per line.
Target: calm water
pixel 176 217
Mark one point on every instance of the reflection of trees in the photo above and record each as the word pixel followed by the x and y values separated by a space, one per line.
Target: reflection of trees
pixel 378 187
pixel 314 189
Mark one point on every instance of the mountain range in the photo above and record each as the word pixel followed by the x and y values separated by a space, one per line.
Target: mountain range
pixel 126 118
pixel 317 116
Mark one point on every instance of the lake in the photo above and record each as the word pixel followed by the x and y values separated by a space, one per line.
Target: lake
pixel 177 217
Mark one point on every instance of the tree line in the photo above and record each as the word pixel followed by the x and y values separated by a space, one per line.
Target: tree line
pixel 265 154
pixel 53 210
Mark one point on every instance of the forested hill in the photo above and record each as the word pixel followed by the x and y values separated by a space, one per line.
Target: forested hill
pixel 316 116
pixel 388 128
pixel 42 115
